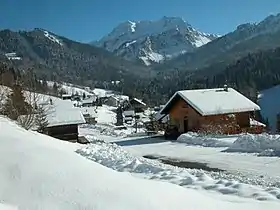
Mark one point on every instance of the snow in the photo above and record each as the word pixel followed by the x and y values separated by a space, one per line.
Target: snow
pixel 56 117
pixel 115 157
pixel 139 101
pixel 270 105
pixel 7 207
pixel 216 101
pixel 52 38
pixel 206 141
pixel 72 89
pixel 256 123
pixel 145 60
pixel 130 43
pixel 169 37
pixel 248 168
pixel 201 39
pixel 133 26
pixel 12 56
pixel 256 144
pixel 49 175
pixel 105 115
pixel 151 56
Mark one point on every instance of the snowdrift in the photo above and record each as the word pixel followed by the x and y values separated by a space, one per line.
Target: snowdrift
pixel 39 172
pixel 192 138
pixel 264 144
pixel 114 157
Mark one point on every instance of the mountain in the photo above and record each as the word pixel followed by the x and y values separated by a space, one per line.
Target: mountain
pixel 153 41
pixel 247 38
pixel 250 74
pixel 56 57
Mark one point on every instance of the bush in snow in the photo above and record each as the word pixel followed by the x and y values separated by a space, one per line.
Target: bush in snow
pixel 203 140
pixel 262 143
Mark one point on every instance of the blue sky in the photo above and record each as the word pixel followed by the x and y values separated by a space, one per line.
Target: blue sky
pixel 87 20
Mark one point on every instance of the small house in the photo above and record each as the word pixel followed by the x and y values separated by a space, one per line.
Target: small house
pixel 220 110
pixel 62 119
pixel 135 104
pixel 66 97
pixel 112 101
pixel 89 102
pixel 63 123
pixel 129 116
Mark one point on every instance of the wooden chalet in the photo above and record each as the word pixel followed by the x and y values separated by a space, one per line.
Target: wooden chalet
pixel 63 122
pixel 135 104
pixel 221 110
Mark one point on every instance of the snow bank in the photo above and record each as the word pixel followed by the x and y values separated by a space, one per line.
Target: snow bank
pixel 7 207
pixel 36 172
pixel 264 144
pixel 206 141
pixel 114 157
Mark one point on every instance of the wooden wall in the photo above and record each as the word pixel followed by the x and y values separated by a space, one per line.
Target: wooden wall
pixel 64 132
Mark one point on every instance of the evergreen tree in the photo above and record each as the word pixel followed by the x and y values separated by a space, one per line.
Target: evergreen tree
pixel 119 116
pixel 41 120
pixel 16 104
pixel 55 88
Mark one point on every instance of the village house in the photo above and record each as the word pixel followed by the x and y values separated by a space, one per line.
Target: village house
pixel 62 119
pixel 89 102
pixel 221 110
pixel 63 124
pixel 113 101
pixel 66 97
pixel 135 104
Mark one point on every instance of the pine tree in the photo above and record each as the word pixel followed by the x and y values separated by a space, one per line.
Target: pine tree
pixel 55 88
pixel 119 116
pixel 16 104
pixel 41 120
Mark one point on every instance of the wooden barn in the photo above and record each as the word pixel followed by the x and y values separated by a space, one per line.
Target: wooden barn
pixel 63 123
pixel 221 110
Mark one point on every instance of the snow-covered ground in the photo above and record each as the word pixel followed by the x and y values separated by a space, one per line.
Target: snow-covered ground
pixel 113 156
pixel 248 168
pixel 72 89
pixel 39 172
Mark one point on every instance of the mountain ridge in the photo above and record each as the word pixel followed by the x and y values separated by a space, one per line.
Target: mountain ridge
pixel 153 41
pixel 57 57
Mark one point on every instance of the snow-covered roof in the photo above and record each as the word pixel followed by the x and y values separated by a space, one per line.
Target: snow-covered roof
pixel 66 95
pixel 129 113
pixel 63 112
pixel 89 100
pixel 214 101
pixel 58 117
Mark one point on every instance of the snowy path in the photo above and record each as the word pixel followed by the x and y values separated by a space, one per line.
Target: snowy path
pixel 261 170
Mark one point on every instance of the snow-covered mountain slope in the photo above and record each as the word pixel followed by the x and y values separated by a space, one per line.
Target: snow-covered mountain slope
pixel 247 38
pixel 39 172
pixel 153 41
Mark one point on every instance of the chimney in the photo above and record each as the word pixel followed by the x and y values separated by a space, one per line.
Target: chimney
pixel 225 88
